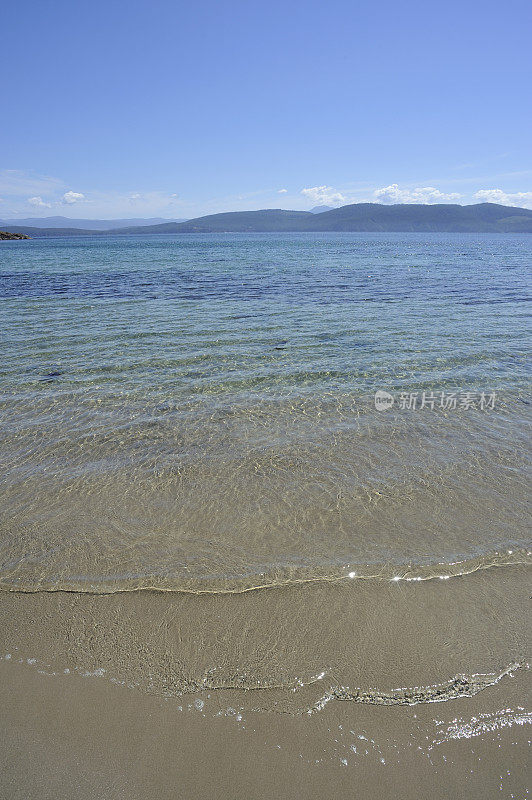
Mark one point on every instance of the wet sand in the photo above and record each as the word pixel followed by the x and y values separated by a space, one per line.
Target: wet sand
pixel 371 635
pixel 86 739
pixel 313 691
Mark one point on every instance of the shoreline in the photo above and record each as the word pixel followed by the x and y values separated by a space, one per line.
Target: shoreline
pixel 375 642
pixel 441 570
pixel 85 737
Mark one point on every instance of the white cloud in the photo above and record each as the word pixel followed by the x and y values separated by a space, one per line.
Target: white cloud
pixel 69 198
pixel 425 194
pixel 521 199
pixel 282 191
pixel 20 188
pixel 38 202
pixel 324 195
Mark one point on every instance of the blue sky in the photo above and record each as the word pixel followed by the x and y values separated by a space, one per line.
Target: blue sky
pixel 179 109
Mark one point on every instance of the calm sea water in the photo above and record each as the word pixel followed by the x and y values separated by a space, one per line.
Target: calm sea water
pixel 198 411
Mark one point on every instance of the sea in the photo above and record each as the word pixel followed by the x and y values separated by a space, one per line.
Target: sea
pixel 222 412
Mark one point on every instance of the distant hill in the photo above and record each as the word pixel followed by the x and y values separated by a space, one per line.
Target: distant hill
pixel 85 224
pixel 362 217
pixel 478 218
pixel 270 220
pixel 320 209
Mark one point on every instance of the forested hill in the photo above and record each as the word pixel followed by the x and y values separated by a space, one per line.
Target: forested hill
pixel 479 218
pixel 483 217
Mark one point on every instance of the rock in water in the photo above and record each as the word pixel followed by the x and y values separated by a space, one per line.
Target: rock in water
pixel 7 235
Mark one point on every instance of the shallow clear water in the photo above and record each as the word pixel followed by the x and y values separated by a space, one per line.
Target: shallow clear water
pixel 197 412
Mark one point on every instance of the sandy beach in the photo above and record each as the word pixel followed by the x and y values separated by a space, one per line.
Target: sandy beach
pixel 136 694
pixel 84 738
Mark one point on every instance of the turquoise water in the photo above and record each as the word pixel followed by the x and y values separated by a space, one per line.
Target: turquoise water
pixel 198 411
pixel 270 312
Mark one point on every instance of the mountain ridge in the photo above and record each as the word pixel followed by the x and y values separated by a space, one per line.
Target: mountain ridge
pixel 362 217
pixel 85 224
pixel 357 217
